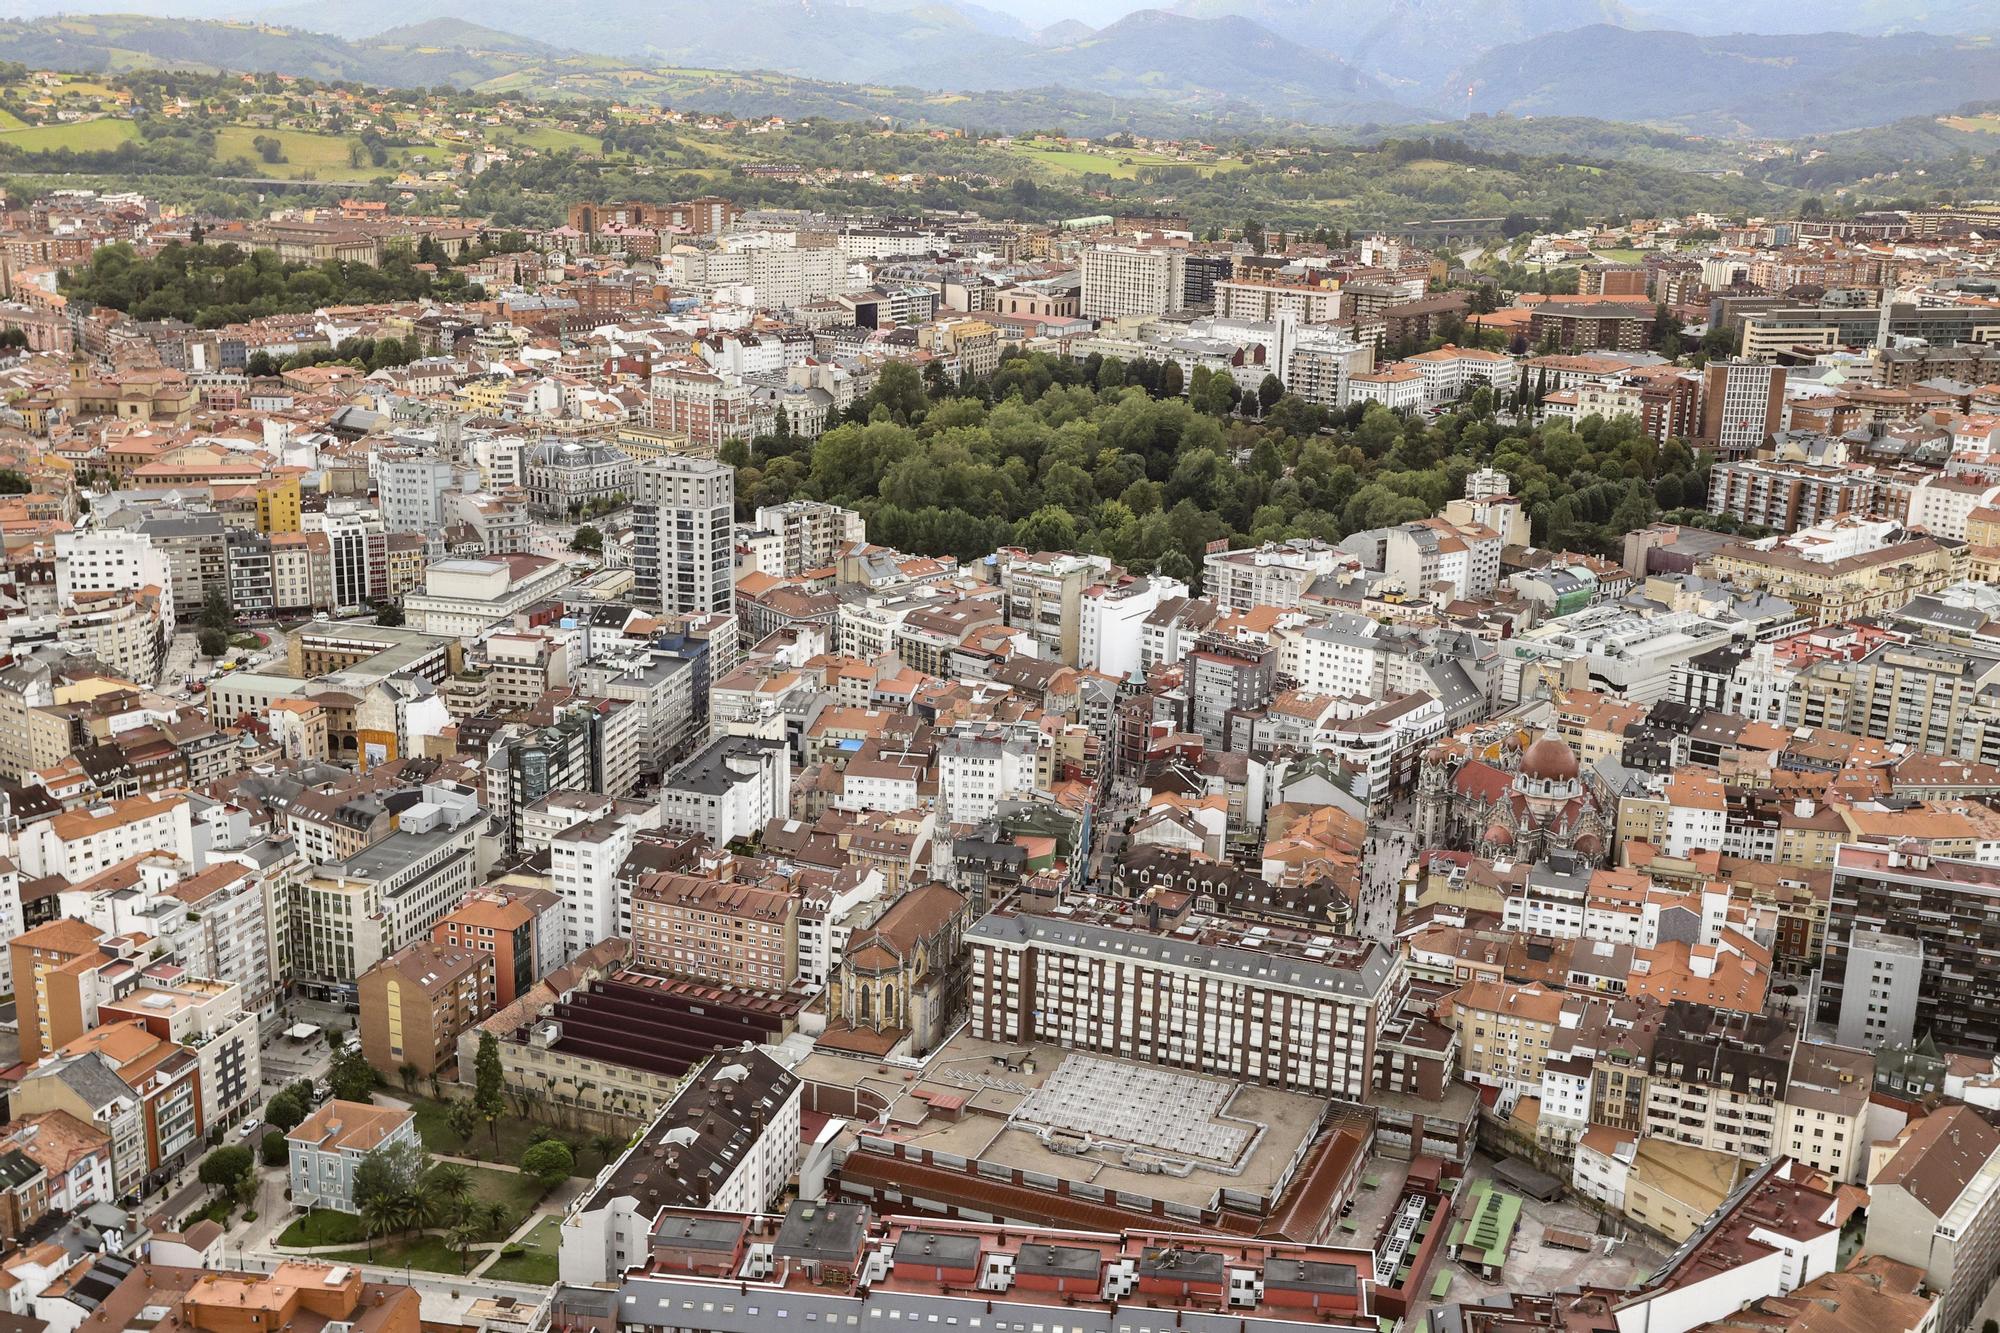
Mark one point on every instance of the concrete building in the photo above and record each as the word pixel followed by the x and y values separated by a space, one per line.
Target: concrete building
pixel 683 521
pixel 823 1258
pixel 728 1141
pixel 808 534
pixel 415 1002
pixel 1935 1206
pixel 731 930
pixel 729 790
pixel 1125 280
pixel 1880 988
pixel 1066 980
pixel 464 597
pixel 1742 406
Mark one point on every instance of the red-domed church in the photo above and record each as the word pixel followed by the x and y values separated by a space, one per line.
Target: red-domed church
pixel 1506 803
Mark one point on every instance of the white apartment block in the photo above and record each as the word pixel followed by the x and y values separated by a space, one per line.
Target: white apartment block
pixel 113 560
pixel 78 843
pixel 1112 624
pixel 583 870
pixel 1125 280
pixel 684 536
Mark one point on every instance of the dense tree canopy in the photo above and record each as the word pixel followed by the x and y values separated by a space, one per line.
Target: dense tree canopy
pixel 212 285
pixel 1043 457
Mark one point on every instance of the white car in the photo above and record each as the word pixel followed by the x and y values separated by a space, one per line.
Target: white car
pixel 248 1127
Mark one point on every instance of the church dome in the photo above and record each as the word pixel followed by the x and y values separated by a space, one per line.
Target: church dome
pixel 1550 760
pixel 1498 835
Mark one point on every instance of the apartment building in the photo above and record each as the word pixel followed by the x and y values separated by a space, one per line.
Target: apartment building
pixel 1785 497
pixel 415 1002
pixel 1196 992
pixel 683 521
pixel 1742 406
pixel 1948 909
pixel 727 1142
pixel 352 913
pixel 833 1261
pixel 1823 1120
pixel 1716 1079
pixel 1042 596
pixel 1276 574
pixel 1935 1205
pixel 1504 1034
pixel 78 843
pixel 729 930
pixel 142 1090
pixel 522 930
pixel 1127 280
pixel 729 790
pixel 1590 326
pixel 808 534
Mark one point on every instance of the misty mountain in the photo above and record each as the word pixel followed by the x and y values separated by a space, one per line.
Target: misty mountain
pixel 1415 42
pixel 1156 54
pixel 1758 85
pixel 1063 33
pixel 1867 17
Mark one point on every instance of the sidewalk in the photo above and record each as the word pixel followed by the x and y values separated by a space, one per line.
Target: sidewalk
pixel 528 1224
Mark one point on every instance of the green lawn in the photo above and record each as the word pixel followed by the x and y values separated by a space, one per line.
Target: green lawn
pixel 517 1193
pixel 1616 256
pixel 436 1132
pixel 84 136
pixel 1119 165
pixel 549 139
pixel 326 156
pixel 323 1226
pixel 429 1253
pixel 533 1259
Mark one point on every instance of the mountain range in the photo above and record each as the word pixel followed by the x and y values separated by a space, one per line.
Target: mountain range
pixel 1327 62
pixel 1757 85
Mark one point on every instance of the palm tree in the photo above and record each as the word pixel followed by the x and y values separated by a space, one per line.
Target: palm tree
pixel 452 1186
pixel 378 1215
pixel 496 1219
pixel 463 1233
pixel 408 1074
pixel 606 1146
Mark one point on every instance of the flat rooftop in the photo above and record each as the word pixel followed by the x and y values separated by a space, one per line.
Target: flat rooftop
pixel 1119 1125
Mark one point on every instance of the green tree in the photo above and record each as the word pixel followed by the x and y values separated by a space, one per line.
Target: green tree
pixel 379 1215
pixel 352 1078
pixel 389 614
pixel 606 1146
pixel 489 1085
pixel 587 539
pixel 548 1162
pixel 451 1183
pixel 463 1233
pixel 463 1117
pixel 1269 391
pixel 225 1169
pixel 212 642
pixel 276 1151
